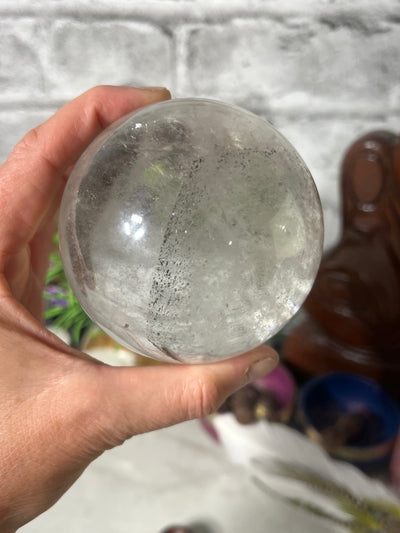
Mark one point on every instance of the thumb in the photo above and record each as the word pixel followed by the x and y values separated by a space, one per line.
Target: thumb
pixel 150 397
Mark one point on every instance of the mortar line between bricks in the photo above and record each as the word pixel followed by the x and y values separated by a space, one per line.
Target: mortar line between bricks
pixel 169 24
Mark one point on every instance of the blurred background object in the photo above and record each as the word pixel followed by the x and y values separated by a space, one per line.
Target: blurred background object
pixel 352 417
pixel 269 398
pixel 352 320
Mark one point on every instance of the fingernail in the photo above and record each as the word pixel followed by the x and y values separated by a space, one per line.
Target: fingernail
pixel 151 95
pixel 261 367
pixel 153 89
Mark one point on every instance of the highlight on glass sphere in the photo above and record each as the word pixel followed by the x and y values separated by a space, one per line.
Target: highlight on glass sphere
pixel 191 231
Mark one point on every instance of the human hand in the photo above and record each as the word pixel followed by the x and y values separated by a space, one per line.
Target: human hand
pixel 60 409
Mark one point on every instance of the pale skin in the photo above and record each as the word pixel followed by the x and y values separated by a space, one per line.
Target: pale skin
pixel 60 409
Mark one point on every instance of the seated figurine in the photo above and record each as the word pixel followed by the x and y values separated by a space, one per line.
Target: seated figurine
pixel 353 311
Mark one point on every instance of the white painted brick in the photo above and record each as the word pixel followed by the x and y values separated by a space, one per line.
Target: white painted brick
pixel 296 64
pixel 85 54
pixel 21 71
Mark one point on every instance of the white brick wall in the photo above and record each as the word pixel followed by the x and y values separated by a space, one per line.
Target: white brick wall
pixel 323 71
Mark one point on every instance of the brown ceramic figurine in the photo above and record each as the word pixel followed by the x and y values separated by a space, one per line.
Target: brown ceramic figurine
pixel 353 310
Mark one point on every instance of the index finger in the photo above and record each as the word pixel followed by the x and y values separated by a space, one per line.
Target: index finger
pixel 30 178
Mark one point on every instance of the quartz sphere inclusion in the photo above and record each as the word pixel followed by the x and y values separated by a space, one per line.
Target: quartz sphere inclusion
pixel 190 231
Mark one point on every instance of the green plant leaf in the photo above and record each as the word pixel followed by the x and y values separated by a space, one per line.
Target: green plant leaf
pixel 54 312
pixel 70 317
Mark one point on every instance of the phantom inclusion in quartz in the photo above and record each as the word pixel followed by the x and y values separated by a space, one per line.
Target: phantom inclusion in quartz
pixel 191 231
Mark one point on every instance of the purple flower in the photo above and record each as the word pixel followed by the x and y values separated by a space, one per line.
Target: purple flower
pixel 56 296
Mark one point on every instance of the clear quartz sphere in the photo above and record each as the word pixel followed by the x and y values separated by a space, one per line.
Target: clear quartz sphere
pixel 190 231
